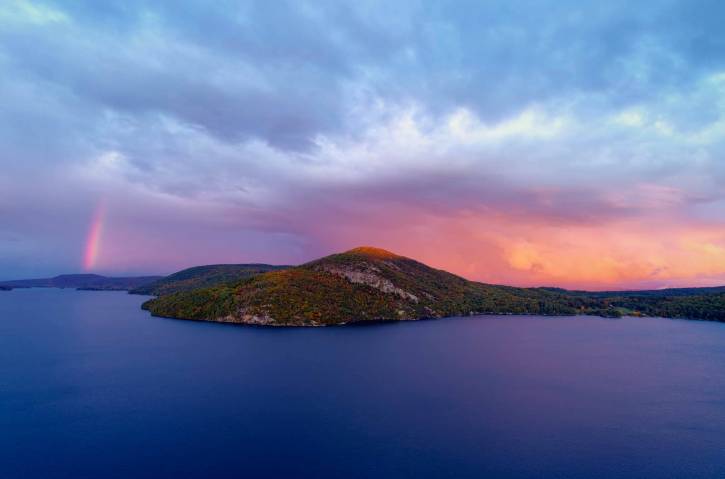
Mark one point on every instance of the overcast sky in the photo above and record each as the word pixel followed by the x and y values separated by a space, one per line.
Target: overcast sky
pixel 570 143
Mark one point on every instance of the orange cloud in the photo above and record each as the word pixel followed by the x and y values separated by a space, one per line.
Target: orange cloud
pixel 631 253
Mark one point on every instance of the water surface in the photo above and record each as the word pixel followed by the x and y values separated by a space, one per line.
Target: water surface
pixel 91 386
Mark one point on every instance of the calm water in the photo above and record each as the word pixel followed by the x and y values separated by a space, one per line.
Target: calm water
pixel 91 386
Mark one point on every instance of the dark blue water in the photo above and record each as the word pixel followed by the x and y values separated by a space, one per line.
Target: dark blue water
pixel 91 386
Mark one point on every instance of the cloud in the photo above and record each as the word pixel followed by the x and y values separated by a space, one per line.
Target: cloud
pixel 517 135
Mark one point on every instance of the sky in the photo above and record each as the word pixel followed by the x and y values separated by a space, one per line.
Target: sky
pixel 563 143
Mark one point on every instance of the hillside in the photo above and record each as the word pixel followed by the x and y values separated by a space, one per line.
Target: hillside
pixel 203 277
pixel 364 284
pixel 82 281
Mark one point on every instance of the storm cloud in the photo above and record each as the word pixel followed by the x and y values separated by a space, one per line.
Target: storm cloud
pixel 569 143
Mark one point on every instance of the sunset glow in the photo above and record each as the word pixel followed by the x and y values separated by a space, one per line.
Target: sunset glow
pixel 537 143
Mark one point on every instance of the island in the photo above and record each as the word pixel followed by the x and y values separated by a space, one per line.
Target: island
pixel 368 284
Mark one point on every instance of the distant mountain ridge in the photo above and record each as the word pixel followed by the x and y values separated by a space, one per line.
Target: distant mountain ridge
pixel 203 277
pixel 82 281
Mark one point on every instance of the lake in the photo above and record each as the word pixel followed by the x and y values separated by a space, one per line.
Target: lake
pixel 93 387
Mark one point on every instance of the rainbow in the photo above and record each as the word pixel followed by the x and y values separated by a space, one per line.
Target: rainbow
pixel 93 240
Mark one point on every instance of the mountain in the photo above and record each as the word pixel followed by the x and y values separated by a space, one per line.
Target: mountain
pixel 5 288
pixel 82 281
pixel 363 284
pixel 203 277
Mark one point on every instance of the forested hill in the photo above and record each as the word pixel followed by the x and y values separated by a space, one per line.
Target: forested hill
pixel 363 284
pixel 204 277
pixel 370 284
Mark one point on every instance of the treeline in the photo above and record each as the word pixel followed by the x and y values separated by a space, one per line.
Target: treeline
pixel 702 306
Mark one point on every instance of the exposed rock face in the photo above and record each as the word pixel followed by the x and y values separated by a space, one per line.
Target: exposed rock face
pixel 371 279
pixel 243 317
pixel 264 319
